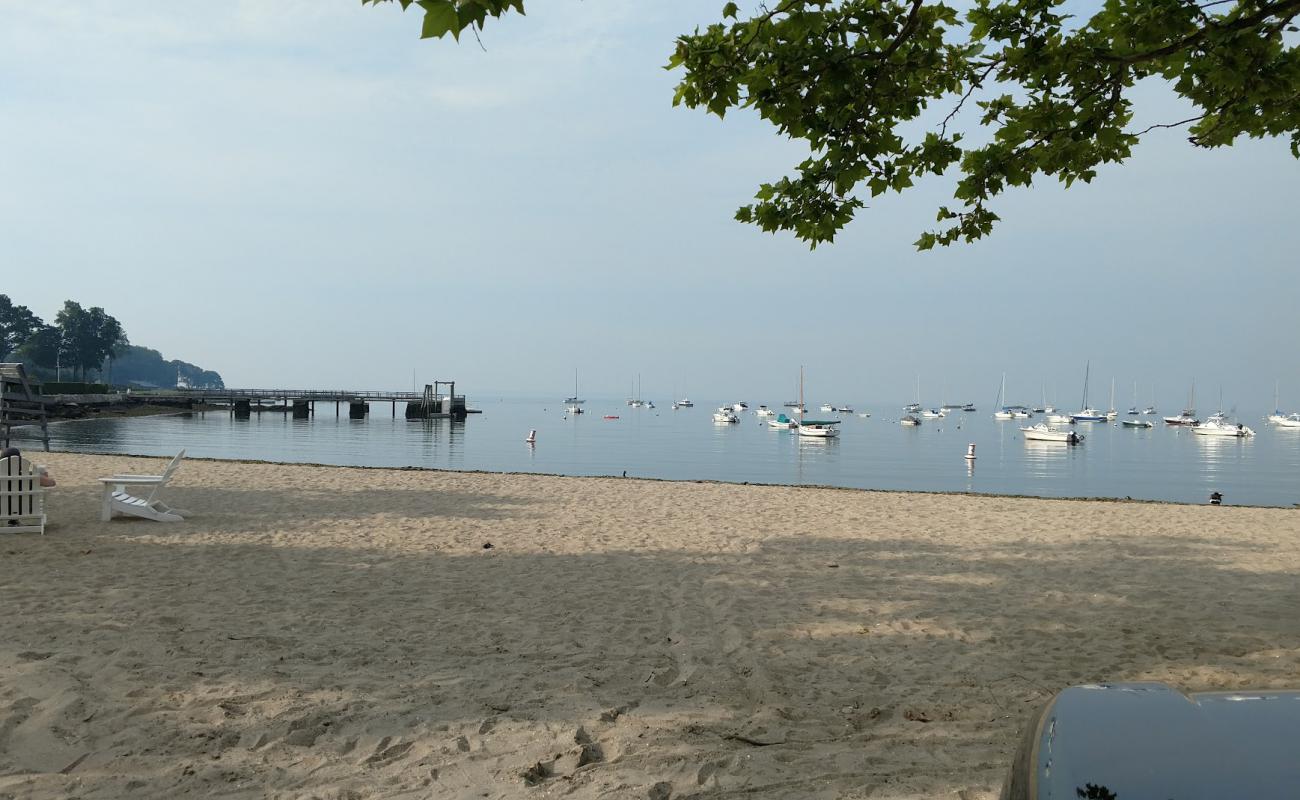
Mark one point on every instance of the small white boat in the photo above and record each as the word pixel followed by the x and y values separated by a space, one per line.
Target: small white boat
pixel 934 413
pixel 1289 421
pixel 1149 410
pixel 844 409
pixel 1048 433
pixel 764 411
pixel 1221 427
pixel 782 422
pixel 1188 417
pixel 912 408
pixel 864 414
pixel 819 428
pixel 827 407
pixel 1059 419
pixel 685 402
pixel 1137 423
pixel 725 414
pixel 909 420
pixel 739 407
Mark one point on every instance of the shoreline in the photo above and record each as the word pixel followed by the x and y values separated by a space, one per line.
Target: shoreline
pixel 920 492
pixel 352 631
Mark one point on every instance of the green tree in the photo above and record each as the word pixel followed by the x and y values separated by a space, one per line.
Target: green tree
pixel 17 324
pixel 880 90
pixel 43 348
pixel 89 336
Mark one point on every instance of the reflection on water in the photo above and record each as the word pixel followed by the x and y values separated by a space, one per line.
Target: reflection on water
pixel 1162 463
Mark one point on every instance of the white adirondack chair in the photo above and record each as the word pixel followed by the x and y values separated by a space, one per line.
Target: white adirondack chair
pixel 116 498
pixel 22 500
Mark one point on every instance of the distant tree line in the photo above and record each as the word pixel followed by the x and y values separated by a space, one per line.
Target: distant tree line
pixel 89 342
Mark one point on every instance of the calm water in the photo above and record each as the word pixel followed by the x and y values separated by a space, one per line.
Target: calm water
pixel 1162 463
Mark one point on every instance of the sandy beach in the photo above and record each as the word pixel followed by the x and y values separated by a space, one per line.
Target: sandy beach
pixel 348 633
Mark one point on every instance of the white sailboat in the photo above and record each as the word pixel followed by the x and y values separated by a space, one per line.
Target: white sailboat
pixel 1112 413
pixel 816 428
pixel 1005 412
pixel 573 405
pixel 1277 417
pixel 914 407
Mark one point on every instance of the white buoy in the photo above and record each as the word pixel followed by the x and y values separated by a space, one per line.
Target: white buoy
pixel 532 436
pixel 970 452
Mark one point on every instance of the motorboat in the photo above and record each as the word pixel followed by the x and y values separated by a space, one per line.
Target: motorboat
pixel 910 419
pixel 1149 410
pixel 1050 433
pixel 685 402
pixel 783 422
pixel 1059 419
pixel 969 407
pixel 1221 427
pixel 844 409
pixel 819 428
pixel 792 404
pixel 725 414
pixel 912 408
pixel 1137 423
pixel 864 414
pixel 739 407
pixel 934 413
pixel 764 411
pixel 827 407
pixel 1289 421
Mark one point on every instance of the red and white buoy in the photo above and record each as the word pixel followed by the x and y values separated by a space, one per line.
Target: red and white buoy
pixel 532 436
pixel 970 452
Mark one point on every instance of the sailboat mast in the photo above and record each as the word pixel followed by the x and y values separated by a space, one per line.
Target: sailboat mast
pixel 1086 370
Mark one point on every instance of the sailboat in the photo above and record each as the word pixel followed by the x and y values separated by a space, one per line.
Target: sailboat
pixel 1112 413
pixel 573 405
pixel 1188 417
pixel 1005 411
pixel 817 428
pixel 1277 417
pixel 635 400
pixel 912 408
pixel 1133 409
pixel 1087 413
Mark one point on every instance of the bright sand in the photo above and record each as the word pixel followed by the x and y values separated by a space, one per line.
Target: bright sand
pixel 344 633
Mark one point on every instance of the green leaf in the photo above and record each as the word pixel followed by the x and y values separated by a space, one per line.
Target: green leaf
pixel 440 18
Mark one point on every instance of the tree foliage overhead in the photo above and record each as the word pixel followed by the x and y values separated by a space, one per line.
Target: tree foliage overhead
pixel 878 88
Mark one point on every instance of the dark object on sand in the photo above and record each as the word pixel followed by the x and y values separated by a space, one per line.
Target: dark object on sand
pixel 1131 741
pixel 1216 499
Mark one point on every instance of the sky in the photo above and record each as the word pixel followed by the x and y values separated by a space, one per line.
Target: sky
pixel 305 194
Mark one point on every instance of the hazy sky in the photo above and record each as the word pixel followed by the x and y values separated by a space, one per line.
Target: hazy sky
pixel 303 193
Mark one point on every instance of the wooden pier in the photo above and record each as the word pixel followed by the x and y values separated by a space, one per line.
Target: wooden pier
pixel 432 403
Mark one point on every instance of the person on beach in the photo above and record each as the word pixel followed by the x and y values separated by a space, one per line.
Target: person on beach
pixel 46 479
